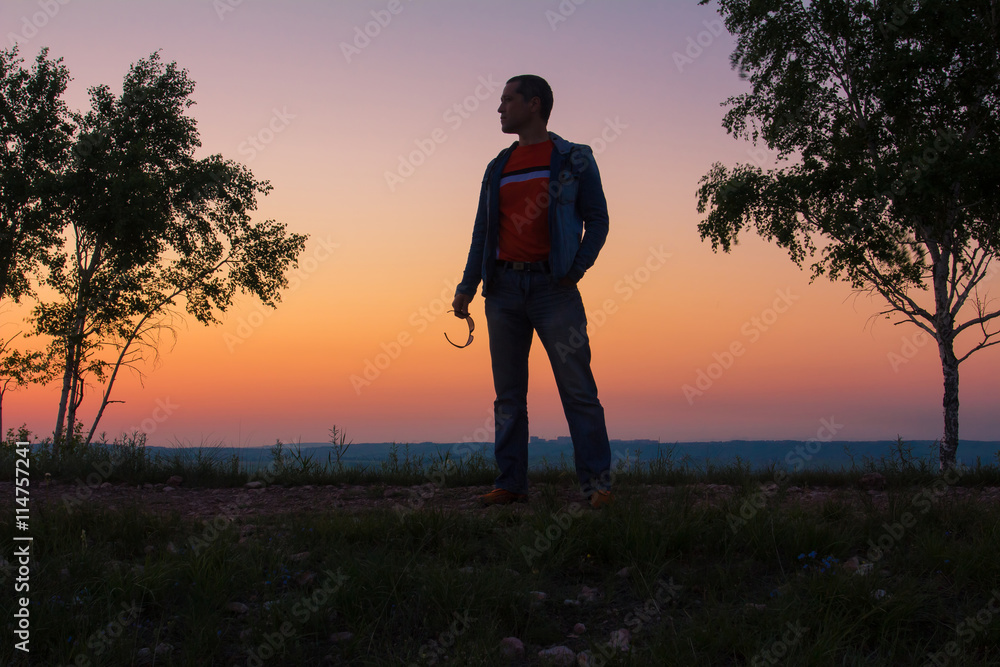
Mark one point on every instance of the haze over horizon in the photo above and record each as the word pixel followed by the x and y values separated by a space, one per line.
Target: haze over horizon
pixel 373 122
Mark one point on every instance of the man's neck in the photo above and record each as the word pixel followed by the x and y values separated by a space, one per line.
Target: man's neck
pixel 535 135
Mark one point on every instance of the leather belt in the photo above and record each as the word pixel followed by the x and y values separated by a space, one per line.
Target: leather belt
pixel 535 267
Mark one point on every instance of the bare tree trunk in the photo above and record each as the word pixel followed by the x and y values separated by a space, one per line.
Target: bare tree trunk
pixel 64 393
pixel 949 443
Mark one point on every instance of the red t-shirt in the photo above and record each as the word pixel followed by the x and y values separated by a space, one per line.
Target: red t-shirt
pixel 524 204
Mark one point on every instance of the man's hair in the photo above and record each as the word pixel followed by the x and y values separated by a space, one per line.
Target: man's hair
pixel 530 86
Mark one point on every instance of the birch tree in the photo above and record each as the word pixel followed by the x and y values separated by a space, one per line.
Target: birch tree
pixel 882 118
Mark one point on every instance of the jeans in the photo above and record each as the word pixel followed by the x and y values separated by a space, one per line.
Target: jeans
pixel 519 303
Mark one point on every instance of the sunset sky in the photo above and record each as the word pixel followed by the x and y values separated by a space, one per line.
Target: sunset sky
pixel 325 99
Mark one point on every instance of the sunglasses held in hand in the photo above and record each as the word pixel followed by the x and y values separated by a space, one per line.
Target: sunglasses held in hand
pixel 472 327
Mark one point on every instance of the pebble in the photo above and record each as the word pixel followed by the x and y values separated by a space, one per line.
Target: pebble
pixel 512 648
pixel 558 655
pixel 620 639
pixel 237 607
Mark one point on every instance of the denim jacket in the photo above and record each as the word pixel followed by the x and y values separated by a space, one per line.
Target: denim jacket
pixel 576 203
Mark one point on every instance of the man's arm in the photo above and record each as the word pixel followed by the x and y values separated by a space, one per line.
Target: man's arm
pixel 472 275
pixel 592 207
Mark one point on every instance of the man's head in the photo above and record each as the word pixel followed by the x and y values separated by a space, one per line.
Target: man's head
pixel 526 100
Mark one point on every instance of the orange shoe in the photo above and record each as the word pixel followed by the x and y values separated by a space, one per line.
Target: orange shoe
pixel 601 499
pixel 502 497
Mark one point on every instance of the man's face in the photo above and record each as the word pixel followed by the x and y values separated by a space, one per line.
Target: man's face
pixel 515 112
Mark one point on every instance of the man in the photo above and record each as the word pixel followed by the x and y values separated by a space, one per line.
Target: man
pixel 541 222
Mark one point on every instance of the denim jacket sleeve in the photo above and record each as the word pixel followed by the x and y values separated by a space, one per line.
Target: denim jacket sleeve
pixel 474 264
pixel 592 207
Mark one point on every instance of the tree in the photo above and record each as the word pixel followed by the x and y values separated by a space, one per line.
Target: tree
pixel 34 147
pixel 884 120
pixel 151 226
pixel 19 369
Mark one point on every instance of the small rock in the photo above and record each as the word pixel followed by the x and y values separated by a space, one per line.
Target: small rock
pixel 143 656
pixel 588 594
pixel 245 634
pixel 579 629
pixel 163 648
pixel 623 572
pixel 106 485
pixel 247 530
pixel 168 488
pixel 256 484
pixel 149 548
pixel 585 659
pixel 558 655
pixel 865 568
pixel 872 480
pixel 620 639
pixel 175 480
pixel 753 606
pixel 467 569
pixel 794 489
pixel 172 549
pixel 512 648
pixel 575 603
pixel 237 608
pixel 538 596
pixel 879 594
pixel 851 564
pixel 302 555
pixel 341 637
pixel 147 485
pixel 64 573
pixel 305 578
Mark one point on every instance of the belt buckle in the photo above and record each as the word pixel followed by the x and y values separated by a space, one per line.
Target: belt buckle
pixel 521 266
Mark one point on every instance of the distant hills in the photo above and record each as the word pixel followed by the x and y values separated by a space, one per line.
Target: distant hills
pixel 791 455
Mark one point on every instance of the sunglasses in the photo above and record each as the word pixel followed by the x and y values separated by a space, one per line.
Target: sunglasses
pixel 472 327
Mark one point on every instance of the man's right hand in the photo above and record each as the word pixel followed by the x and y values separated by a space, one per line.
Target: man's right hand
pixel 461 305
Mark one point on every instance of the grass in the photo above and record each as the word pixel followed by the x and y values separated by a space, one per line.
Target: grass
pixel 748 580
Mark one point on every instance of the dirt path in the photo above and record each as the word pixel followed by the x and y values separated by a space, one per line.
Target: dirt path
pixel 201 503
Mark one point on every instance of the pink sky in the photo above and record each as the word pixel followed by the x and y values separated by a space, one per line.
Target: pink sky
pixel 292 91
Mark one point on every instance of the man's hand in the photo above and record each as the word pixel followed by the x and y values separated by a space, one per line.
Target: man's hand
pixel 461 305
pixel 566 282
